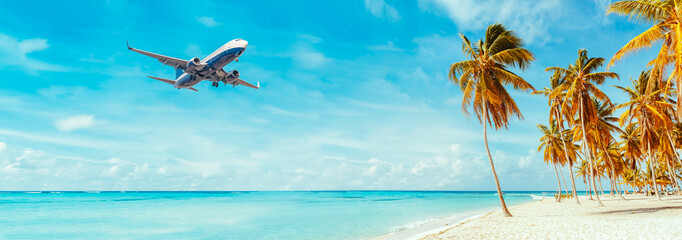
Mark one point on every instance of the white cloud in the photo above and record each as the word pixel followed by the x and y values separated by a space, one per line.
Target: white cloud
pixel 193 50
pixel 32 45
pixel 38 170
pixel 602 4
pixel 309 58
pixel 527 160
pixel 380 9
pixel 75 123
pixel 122 168
pixel 208 21
pixel 12 167
pixel 27 154
pixel 305 55
pixel 309 38
pixel 385 47
pixel 3 146
pixel 14 52
pixel 531 19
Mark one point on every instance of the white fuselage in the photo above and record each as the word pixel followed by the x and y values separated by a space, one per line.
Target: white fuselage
pixel 211 65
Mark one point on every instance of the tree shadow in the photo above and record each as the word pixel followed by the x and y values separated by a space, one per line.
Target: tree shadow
pixel 641 210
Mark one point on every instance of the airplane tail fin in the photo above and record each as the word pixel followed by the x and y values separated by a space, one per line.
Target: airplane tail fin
pixel 178 72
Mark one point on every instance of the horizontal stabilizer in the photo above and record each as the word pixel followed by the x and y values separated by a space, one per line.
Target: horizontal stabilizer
pixel 242 82
pixel 171 82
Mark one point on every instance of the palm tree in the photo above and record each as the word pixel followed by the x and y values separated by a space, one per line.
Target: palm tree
pixel 647 107
pixel 630 178
pixel 582 170
pixel 579 84
pixel 553 144
pixel 557 115
pixel 617 165
pixel 665 15
pixel 482 80
pixel 667 155
pixel 603 137
pixel 631 149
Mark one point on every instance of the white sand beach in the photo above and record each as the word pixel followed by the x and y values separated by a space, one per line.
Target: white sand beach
pixel 638 217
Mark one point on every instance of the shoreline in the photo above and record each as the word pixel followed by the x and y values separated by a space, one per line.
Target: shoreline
pixel 431 227
pixel 637 217
pixel 441 224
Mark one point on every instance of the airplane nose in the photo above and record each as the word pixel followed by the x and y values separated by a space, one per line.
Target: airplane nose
pixel 245 43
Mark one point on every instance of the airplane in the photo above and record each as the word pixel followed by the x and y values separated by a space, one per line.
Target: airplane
pixel 190 73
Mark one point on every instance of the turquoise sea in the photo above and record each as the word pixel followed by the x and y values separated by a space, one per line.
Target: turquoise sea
pixel 233 215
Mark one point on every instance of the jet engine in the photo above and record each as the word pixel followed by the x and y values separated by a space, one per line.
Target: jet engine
pixel 234 74
pixel 194 64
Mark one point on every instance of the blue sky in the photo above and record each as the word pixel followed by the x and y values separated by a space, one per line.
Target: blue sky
pixel 354 94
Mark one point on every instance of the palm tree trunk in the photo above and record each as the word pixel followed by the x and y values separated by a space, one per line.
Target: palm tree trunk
pixel 653 172
pixel 672 165
pixel 611 193
pixel 561 172
pixel 613 176
pixel 570 163
pixel 575 193
pixel 672 144
pixel 587 151
pixel 601 187
pixel 558 198
pixel 675 177
pixel 620 195
pixel 492 166
pixel 672 177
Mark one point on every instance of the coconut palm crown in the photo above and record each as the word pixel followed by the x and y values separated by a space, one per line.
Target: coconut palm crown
pixel 483 77
pixel 666 17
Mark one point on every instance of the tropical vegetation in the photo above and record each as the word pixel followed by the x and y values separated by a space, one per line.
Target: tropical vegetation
pixel 634 145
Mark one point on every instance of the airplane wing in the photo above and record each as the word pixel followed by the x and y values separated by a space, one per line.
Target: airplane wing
pixel 170 61
pixel 242 82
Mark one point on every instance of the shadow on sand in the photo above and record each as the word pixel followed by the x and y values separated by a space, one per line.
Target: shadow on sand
pixel 640 210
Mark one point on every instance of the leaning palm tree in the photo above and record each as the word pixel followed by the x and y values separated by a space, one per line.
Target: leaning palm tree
pixel 647 108
pixel 579 87
pixel 482 80
pixel 666 29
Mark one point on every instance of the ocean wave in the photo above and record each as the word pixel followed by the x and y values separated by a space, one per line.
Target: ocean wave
pixel 414 224
pixel 388 199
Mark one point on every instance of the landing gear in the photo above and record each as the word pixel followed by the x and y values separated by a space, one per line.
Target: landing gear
pixel 215 84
